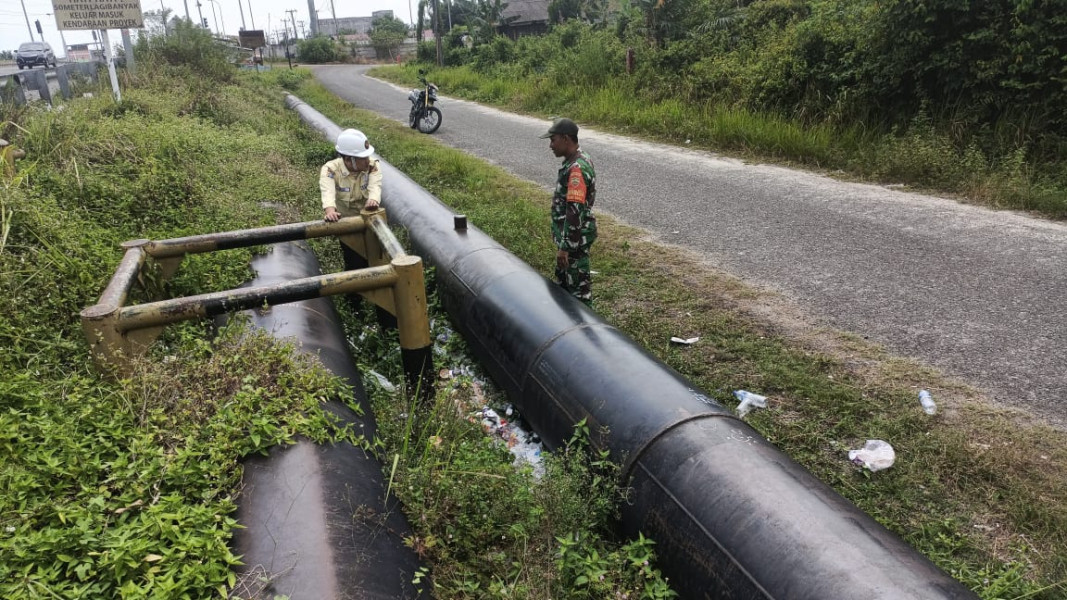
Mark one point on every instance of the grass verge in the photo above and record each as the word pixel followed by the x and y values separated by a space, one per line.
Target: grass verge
pixel 979 491
pixel 124 488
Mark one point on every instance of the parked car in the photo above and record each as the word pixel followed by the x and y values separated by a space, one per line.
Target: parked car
pixel 31 54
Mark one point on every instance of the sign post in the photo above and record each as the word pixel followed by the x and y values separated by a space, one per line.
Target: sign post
pixel 111 66
pixel 102 15
pixel 254 39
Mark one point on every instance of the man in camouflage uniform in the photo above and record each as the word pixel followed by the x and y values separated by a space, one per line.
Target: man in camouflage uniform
pixel 573 223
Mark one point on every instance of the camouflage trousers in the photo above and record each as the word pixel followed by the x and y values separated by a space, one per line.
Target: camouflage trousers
pixel 576 278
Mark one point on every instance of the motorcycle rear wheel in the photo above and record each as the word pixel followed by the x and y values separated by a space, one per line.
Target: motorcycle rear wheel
pixel 430 120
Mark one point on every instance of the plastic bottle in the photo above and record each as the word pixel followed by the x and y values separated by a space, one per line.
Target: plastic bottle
pixel 928 403
pixel 749 401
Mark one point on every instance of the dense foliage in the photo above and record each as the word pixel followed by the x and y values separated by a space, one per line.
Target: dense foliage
pixel 317 50
pixel 982 64
pixel 965 97
pixel 189 49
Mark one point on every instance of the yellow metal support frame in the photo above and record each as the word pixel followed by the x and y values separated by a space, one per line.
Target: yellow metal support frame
pixel 394 281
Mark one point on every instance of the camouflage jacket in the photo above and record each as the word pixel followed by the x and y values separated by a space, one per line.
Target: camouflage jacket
pixel 573 223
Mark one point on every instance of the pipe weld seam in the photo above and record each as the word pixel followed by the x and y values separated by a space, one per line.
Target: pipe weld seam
pixel 633 458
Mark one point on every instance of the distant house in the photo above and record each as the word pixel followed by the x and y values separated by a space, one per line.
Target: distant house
pixel 524 17
pixel 82 53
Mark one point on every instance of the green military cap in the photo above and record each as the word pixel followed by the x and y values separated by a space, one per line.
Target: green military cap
pixel 563 126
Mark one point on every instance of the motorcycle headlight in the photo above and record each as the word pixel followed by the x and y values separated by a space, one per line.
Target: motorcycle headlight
pixel 413 96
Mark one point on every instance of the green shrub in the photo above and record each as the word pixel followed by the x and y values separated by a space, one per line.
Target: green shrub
pixel 187 48
pixel 317 50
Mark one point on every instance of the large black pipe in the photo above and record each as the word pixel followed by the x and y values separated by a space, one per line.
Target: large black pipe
pixel 733 517
pixel 317 523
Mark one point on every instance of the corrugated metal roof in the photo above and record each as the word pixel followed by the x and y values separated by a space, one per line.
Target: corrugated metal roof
pixel 525 11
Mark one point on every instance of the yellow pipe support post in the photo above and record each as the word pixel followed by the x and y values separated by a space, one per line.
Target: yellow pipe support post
pixel 110 347
pixel 413 323
pixel 390 246
pixel 8 154
pixel 368 244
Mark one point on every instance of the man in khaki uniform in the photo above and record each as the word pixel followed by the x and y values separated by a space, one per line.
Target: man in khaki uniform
pixel 351 183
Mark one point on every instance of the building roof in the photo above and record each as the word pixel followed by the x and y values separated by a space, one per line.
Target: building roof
pixel 522 12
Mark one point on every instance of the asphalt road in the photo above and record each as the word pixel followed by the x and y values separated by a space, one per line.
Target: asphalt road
pixel 980 294
pixel 12 69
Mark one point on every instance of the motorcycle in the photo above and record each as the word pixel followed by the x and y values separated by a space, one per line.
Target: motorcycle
pixel 424 116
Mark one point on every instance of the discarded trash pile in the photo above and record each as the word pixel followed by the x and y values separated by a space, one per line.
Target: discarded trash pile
pixel 502 423
pixel 507 428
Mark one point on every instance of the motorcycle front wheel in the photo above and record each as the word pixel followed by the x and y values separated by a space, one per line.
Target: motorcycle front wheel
pixel 430 120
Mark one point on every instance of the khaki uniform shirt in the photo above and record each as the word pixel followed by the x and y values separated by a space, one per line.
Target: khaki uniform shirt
pixel 348 191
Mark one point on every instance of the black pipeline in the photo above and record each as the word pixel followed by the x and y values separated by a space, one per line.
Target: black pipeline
pixel 732 516
pixel 317 523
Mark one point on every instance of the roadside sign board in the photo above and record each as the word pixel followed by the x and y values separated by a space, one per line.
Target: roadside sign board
pixel 252 38
pixel 98 14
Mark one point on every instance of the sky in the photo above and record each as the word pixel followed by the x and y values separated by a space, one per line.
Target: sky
pixel 13 30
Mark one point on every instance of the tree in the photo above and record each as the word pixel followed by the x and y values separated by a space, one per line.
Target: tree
pixel 664 18
pixel 386 36
pixel 155 21
pixel 564 10
pixel 487 19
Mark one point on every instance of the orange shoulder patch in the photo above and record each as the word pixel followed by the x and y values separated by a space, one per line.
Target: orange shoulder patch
pixel 576 185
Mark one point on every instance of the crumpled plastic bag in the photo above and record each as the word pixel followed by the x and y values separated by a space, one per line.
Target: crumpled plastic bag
pixel 875 455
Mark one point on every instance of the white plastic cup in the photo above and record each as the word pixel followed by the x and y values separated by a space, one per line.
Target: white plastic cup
pixel 929 407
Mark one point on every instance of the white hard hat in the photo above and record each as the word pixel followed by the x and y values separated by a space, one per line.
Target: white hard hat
pixel 352 142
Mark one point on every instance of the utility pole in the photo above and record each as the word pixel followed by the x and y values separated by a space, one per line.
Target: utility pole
pixel 293 19
pixel 62 38
pixel 242 14
pixel 162 17
pixel 28 28
pixel 288 55
pixel 333 11
pixel 253 17
pixel 437 31
pixel 303 31
pixel 216 17
pixel 187 17
pixel 199 23
pixel 223 30
pixel 314 18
